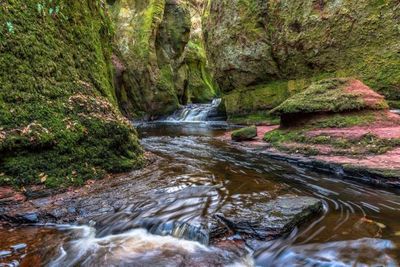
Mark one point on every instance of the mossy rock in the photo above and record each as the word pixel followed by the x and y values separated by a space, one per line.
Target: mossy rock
pixel 286 40
pixel 244 134
pixel 200 87
pixel 59 124
pixel 333 96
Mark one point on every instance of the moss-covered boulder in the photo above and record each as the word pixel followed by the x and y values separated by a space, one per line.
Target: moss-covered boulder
pixel 244 134
pixel 59 124
pixel 262 44
pixel 329 96
pixel 333 95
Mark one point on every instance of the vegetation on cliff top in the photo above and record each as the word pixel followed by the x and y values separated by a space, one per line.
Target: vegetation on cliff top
pixel 59 124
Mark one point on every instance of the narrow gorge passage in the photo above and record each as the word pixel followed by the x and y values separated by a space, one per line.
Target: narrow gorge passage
pixel 200 133
pixel 199 175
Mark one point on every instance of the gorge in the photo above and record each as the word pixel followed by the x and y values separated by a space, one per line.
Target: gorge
pixel 199 133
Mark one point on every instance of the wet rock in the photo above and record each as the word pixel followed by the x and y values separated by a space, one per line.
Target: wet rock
pixel 5 253
pixel 217 229
pixel 362 252
pixel 9 195
pixel 39 191
pixel 204 232
pixel 58 213
pixel 31 217
pixel 263 221
pixel 272 219
pixel 244 134
pixel 18 247
pixel 14 263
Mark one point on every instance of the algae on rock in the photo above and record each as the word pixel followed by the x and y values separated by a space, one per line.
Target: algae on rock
pixel 58 122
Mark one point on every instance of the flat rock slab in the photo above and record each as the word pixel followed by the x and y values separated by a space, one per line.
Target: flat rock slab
pixel 269 220
pixel 263 221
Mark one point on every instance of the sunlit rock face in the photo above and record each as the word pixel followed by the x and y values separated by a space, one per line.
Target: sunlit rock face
pixel 271 49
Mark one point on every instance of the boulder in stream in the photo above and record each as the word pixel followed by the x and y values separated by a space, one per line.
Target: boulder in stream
pixel 244 134
pixel 269 220
pixel 263 221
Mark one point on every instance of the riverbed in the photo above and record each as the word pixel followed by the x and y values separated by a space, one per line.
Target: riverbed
pixel 200 174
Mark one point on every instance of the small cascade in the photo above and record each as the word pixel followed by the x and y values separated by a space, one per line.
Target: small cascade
pixel 123 222
pixel 198 113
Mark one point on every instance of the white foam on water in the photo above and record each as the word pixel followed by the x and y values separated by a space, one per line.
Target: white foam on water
pixel 194 112
pixel 137 247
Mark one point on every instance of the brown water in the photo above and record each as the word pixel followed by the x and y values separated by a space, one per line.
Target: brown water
pixel 200 175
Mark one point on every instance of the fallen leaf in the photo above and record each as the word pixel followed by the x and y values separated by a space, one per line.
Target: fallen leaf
pixel 43 177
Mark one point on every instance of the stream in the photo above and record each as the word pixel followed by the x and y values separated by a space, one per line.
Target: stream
pixel 199 175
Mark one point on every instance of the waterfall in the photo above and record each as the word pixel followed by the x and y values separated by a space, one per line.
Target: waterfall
pixel 198 113
pixel 122 222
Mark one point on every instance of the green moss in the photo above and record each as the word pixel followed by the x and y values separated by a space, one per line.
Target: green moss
pixel 260 98
pixel 394 104
pixel 253 99
pixel 305 46
pixel 366 144
pixel 388 173
pixel 165 97
pixel 301 40
pixel 152 39
pixel 58 122
pixel 250 17
pixel 201 87
pixel 258 118
pixel 328 95
pixel 344 120
pixel 280 136
pixel 244 134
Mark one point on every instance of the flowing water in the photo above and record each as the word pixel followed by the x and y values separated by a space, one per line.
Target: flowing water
pixel 197 112
pixel 199 175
